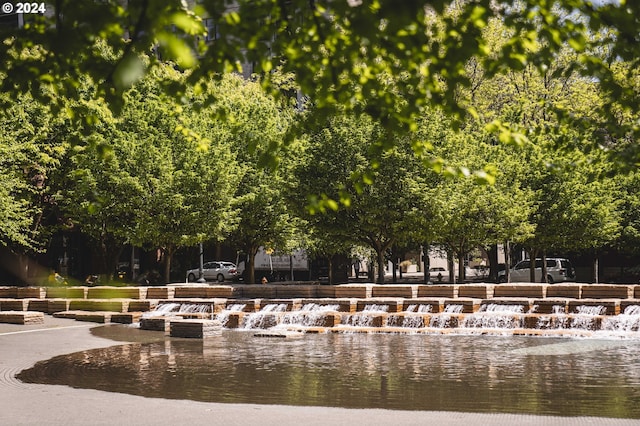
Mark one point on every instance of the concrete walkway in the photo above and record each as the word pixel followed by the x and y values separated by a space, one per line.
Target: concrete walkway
pixel 27 404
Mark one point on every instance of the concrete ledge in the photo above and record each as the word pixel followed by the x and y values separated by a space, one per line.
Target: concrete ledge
pixel 606 291
pixel 520 290
pixel 405 291
pixel 573 291
pixel 111 305
pixel 105 292
pixel 155 324
pixel 296 291
pixel 480 291
pixel 550 306
pixel 450 291
pixel 14 304
pixel 126 318
pixel 99 317
pixel 67 292
pixel 195 329
pixel 160 292
pixel 23 318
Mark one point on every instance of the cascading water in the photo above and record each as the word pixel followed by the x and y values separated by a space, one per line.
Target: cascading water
pixel 585 316
pixel 223 316
pixel 365 317
pixel 176 309
pixel 267 317
pixel 628 321
pixel 493 315
pixel 310 315
pixel 444 319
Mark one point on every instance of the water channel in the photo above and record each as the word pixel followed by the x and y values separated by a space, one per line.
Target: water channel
pixel 493 374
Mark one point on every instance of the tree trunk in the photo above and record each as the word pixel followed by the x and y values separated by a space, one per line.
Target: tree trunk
pixel 532 265
pixel 544 267
pixel 451 267
pixel 168 256
pixel 380 253
pixel 461 271
pixel 330 269
pixel 427 263
pixel 507 261
pixel 394 273
pixel 251 264
pixel 596 268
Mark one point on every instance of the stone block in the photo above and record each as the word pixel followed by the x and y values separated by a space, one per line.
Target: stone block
pixel 324 291
pixel 607 291
pixel 8 292
pixel 57 305
pixel 259 291
pixel 160 293
pixel 479 291
pixel 195 329
pixel 14 304
pixel 126 318
pixel 94 305
pixel 39 305
pixel 141 305
pixel 441 290
pixel 67 292
pixel 550 306
pixel 21 317
pixel 520 290
pixel 99 317
pixel 296 291
pixel 467 306
pixel 392 290
pixel 107 292
pixel 191 292
pixel 222 291
pixel 31 292
pixel 360 291
pixel 155 324
pixel 573 291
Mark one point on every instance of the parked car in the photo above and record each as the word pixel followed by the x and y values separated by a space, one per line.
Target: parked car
pixel 558 270
pixel 214 271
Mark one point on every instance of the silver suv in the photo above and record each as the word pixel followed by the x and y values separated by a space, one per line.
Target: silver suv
pixel 558 270
pixel 216 270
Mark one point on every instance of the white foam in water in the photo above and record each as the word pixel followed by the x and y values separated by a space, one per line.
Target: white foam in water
pixel 175 309
pixel 591 310
pixel 259 319
pixel 498 308
pixel 629 321
pixel 223 316
pixel 366 316
pixel 310 315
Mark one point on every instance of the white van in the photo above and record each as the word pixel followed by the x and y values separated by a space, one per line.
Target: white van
pixel 558 270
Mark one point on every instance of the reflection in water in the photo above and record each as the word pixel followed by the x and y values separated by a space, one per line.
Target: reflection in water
pixel 411 372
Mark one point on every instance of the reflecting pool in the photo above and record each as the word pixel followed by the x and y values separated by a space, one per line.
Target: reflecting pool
pixel 556 376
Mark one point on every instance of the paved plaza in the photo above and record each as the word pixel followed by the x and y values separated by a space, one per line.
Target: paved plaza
pixel 27 404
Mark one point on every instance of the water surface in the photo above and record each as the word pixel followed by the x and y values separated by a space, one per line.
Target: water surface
pixel 567 377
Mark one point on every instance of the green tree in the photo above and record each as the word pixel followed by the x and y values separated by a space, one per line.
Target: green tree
pixel 378 214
